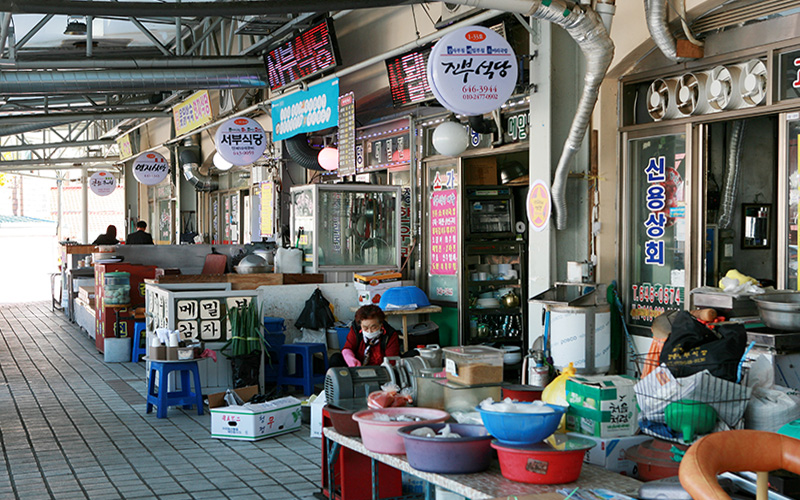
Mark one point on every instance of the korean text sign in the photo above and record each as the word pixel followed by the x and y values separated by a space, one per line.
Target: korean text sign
pixel 444 232
pixel 241 140
pixel 306 111
pixel 194 112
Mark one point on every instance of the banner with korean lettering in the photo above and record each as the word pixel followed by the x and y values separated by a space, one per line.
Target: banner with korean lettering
pixel 306 111
pixel 658 228
pixel 267 208
pixel 125 147
pixel 192 113
pixel 444 232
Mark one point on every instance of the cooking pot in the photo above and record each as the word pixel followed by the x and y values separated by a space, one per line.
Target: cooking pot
pixel 510 300
pixel 779 310
pixel 252 264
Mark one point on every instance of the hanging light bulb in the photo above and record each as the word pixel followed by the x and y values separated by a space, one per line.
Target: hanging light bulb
pixel 221 163
pixel 328 158
pixel 450 138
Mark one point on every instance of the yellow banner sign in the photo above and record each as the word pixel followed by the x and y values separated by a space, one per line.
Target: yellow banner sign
pixel 192 113
pixel 125 149
pixel 267 208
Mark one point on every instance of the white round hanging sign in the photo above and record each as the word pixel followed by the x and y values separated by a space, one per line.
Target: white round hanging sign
pixel 102 183
pixel 472 70
pixel 241 140
pixel 150 168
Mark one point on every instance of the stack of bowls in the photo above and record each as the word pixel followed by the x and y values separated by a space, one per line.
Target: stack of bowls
pixel 527 438
pixel 471 452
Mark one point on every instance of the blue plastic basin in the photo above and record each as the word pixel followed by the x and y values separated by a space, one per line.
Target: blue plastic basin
pixel 522 428
pixel 472 452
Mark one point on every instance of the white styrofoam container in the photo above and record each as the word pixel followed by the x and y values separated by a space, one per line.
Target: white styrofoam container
pixel 256 421
pixel 610 452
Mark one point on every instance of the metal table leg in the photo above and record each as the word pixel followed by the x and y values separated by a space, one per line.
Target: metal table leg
pixel 374 464
pixel 430 490
pixel 332 448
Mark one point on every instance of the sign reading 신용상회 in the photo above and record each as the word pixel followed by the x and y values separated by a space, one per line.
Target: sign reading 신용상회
pixel 102 183
pixel 472 70
pixel 241 140
pixel 306 111
pixel 150 168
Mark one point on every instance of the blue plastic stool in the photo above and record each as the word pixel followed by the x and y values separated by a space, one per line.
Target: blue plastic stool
pixel 164 398
pixel 137 351
pixel 304 366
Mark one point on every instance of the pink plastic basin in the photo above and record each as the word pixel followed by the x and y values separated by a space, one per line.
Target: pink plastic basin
pixel 382 437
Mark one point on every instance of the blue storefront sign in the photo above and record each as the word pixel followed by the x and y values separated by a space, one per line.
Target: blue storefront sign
pixel 306 111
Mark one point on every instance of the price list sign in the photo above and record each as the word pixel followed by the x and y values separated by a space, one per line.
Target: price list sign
pixel 347 134
pixel 444 232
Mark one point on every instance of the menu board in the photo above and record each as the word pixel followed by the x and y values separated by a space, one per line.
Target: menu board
pixel 347 134
pixel 444 232
pixel 310 52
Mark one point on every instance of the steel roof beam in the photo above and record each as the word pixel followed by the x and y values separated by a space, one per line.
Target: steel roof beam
pixel 48 163
pixel 56 145
pixel 77 117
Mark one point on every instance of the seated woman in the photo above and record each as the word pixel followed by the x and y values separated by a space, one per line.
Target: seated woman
pixel 369 341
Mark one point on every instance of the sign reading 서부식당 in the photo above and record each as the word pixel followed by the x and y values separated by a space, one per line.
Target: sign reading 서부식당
pixel 306 111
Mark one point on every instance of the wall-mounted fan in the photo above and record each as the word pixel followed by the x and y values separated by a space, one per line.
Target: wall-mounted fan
pixel 753 82
pixel 723 89
pixel 661 102
pixel 691 94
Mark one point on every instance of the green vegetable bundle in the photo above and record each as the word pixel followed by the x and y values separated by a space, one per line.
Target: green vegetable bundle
pixel 246 334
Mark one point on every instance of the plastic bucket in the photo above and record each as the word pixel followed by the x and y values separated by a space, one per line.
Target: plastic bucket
pixel 539 466
pixel 341 332
pixel 520 392
pixel 274 325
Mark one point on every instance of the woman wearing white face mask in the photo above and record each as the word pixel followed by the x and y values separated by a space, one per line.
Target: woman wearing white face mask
pixel 370 340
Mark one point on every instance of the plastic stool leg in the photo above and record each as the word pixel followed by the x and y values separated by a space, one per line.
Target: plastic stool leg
pixel 308 373
pixel 186 386
pixel 163 392
pixel 197 391
pixel 151 386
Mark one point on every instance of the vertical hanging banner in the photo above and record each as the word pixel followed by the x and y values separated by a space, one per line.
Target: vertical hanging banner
pixel 192 113
pixel 102 183
pixel 150 168
pixel 444 232
pixel 347 134
pixel 306 111
pixel 472 70
pixel 240 141
pixel 538 205
pixel 267 208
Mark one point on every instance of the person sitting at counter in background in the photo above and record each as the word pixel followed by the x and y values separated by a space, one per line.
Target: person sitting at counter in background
pixel 370 340
pixel 107 238
pixel 140 236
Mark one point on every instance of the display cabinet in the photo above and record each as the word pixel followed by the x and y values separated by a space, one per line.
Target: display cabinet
pixel 343 227
pixel 494 308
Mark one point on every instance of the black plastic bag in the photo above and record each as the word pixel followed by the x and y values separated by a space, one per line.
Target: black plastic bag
pixel 245 369
pixel 317 314
pixel 693 347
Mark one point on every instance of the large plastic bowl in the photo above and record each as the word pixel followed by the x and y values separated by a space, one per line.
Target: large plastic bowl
pixel 342 420
pixel 472 452
pixel 522 428
pixel 558 460
pixel 381 436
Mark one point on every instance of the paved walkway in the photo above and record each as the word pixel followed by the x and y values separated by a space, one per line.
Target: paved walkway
pixel 72 426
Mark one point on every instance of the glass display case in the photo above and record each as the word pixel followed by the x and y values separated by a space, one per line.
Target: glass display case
pixel 343 227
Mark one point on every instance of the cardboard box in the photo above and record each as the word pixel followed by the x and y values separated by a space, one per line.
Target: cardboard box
pixel 602 406
pixel 370 286
pixel 253 422
pixel 610 452
pixel 316 415
pixel 481 171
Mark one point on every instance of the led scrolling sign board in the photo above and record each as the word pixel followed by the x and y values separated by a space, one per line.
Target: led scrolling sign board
pixel 408 79
pixel 309 53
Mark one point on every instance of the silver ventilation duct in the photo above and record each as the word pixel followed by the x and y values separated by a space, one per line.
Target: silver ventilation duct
pixel 299 150
pixel 729 191
pixel 656 13
pixel 21 128
pixel 189 159
pixel 129 81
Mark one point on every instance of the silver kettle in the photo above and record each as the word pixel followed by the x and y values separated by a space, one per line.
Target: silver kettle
pixel 432 353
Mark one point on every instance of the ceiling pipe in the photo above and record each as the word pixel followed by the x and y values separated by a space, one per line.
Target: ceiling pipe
pixel 76 117
pixel 189 159
pixel 170 63
pixel 21 128
pixel 48 163
pixel 56 145
pixel 301 151
pixel 656 13
pixel 122 81
pixel 194 9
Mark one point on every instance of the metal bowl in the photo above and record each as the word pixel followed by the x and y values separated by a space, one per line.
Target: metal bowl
pixel 779 310
pixel 253 269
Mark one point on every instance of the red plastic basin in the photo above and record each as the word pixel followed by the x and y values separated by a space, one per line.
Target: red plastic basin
pixel 557 460
pixel 342 420
pixel 519 392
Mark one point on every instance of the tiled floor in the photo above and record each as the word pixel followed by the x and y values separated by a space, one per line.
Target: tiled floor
pixel 72 426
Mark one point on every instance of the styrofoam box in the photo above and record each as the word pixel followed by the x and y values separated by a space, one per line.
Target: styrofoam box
pixel 610 452
pixel 256 421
